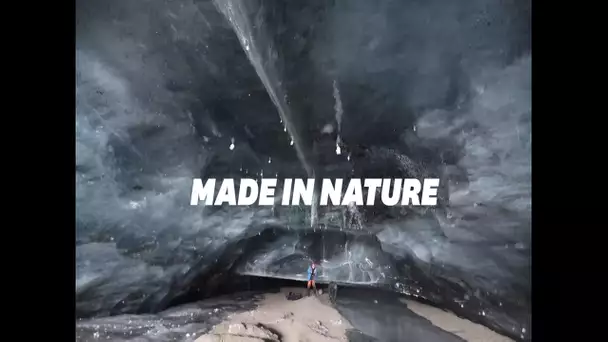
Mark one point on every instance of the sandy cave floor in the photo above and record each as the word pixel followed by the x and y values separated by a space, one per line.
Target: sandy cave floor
pixel 313 319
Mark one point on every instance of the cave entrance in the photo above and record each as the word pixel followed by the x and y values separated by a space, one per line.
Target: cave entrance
pixel 236 283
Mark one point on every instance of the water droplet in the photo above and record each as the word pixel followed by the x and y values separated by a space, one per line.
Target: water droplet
pixel 231 147
pixel 291 142
pixel 269 160
pixel 338 150
pixel 523 330
pixel 284 129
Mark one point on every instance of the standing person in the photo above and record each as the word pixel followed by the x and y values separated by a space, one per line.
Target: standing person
pixel 312 275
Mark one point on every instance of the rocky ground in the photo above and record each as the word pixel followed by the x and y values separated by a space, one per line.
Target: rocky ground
pixel 357 315
pixel 449 322
pixel 278 319
pixel 315 319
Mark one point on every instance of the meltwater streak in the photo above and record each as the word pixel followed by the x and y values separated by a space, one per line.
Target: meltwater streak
pixel 261 55
pixel 259 50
